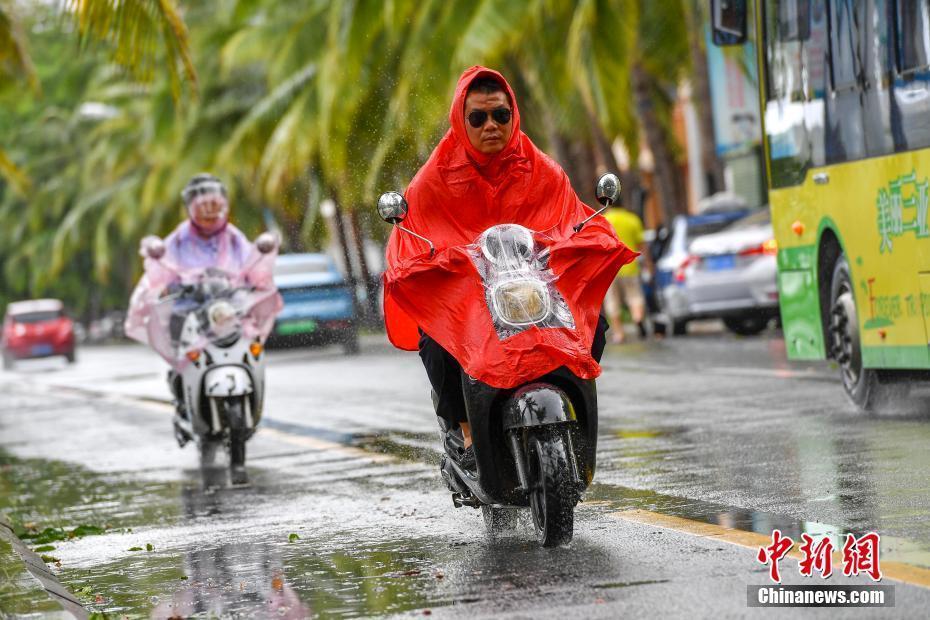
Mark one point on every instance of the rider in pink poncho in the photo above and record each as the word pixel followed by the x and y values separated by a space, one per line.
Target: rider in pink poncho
pixel 205 241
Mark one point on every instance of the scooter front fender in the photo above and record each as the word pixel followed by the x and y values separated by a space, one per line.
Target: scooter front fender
pixel 227 381
pixel 538 404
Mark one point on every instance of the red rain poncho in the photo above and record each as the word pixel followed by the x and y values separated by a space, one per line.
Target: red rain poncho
pixel 458 194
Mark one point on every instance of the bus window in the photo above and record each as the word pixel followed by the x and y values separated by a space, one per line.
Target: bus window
pixel 729 21
pixel 794 21
pixel 911 101
pixel 877 54
pixel 795 52
pixel 845 138
pixel 817 70
pixel 913 35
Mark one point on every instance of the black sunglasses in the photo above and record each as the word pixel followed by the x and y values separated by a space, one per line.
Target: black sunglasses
pixel 501 116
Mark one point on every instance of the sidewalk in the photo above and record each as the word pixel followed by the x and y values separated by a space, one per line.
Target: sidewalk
pixel 28 589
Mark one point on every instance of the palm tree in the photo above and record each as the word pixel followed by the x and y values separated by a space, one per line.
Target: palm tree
pixel 132 28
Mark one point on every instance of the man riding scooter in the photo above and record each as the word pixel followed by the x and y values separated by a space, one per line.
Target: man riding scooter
pixel 493 209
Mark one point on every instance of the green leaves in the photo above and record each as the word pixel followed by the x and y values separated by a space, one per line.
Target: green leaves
pixel 133 30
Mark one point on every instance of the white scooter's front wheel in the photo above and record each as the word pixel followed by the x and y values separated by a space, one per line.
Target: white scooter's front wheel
pixel 208 448
pixel 238 434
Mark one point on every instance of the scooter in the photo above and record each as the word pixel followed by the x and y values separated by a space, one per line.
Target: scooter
pixel 535 445
pixel 205 325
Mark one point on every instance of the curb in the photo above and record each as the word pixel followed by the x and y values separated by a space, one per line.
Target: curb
pixel 32 589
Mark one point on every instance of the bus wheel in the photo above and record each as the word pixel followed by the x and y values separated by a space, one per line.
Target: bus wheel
pixel 862 385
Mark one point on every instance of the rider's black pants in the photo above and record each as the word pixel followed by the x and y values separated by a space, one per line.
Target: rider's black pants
pixel 445 374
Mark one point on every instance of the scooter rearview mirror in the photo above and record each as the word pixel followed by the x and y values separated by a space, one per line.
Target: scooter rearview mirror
pixel 607 192
pixel 266 242
pixel 608 189
pixel 151 247
pixel 392 207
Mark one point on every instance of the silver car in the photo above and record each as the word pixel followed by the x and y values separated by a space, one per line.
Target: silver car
pixel 730 275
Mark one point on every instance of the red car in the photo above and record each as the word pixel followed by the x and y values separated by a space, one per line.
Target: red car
pixel 36 328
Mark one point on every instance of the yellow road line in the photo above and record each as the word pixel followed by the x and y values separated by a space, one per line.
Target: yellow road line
pixel 314 443
pixel 896 571
pixel 324 445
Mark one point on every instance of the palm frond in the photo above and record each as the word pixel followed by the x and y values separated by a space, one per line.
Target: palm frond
pixel 14 57
pixel 134 28
pixel 16 177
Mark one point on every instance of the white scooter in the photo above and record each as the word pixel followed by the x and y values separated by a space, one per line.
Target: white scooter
pixel 210 325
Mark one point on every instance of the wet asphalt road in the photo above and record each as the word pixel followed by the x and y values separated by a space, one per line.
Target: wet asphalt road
pixel 346 515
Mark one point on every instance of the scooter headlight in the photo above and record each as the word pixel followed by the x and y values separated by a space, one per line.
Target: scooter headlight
pixel 224 326
pixel 221 314
pixel 521 302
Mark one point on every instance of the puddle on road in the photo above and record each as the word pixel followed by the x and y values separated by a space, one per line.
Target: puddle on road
pixel 19 592
pixel 47 496
pixel 613 497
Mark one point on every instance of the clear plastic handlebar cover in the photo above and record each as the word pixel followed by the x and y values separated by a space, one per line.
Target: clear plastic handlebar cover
pixel 519 286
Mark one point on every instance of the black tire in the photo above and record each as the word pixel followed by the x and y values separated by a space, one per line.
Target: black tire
pixel 71 356
pixel 746 325
pixel 862 385
pixel 237 472
pixel 679 328
pixel 499 519
pixel 208 449
pixel 552 491
pixel 350 343
pixel 238 435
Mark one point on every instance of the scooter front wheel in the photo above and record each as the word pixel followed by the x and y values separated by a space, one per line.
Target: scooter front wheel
pixel 208 449
pixel 552 492
pixel 499 519
pixel 238 434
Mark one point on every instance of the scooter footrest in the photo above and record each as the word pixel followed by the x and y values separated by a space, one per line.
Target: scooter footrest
pixel 459 500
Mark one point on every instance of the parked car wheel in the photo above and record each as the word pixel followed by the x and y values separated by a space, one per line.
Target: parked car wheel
pixel 746 325
pixel 71 356
pixel 350 343
pixel 679 328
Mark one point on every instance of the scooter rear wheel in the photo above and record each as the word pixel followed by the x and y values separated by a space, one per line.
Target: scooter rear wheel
pixel 552 495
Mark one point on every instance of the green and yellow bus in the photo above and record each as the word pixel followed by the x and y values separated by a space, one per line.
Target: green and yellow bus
pixel 845 100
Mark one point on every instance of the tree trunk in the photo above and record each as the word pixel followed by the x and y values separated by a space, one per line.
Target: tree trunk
pixel 371 286
pixel 630 195
pixel 339 228
pixel 667 178
pixel 700 84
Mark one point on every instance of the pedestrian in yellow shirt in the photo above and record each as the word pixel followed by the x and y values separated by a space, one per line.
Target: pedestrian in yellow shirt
pixel 626 289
